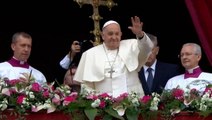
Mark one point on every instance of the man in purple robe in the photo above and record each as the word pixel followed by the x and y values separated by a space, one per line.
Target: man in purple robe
pixel 17 67
pixel 194 77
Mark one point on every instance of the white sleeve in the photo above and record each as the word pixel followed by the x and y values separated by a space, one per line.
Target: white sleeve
pixel 168 85
pixel 145 45
pixel 65 62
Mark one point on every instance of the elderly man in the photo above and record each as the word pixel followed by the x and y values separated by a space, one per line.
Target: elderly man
pixel 190 56
pixel 155 73
pixel 113 66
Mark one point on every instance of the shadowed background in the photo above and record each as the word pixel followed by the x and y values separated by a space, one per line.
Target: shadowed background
pixel 53 24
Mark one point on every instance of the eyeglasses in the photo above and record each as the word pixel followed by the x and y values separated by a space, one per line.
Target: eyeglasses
pixel 186 54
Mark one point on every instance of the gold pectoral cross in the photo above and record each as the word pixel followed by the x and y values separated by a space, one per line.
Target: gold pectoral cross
pixel 111 72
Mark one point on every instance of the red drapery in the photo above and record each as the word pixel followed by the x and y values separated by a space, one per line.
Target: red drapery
pixel 201 14
pixel 61 116
pixel 41 115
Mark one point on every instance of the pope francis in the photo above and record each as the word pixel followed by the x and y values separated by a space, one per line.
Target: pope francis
pixel 113 66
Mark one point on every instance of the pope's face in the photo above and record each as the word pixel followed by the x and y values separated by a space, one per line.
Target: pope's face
pixel 111 36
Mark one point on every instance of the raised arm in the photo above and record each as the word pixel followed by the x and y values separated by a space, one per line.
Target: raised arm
pixel 136 27
pixel 75 48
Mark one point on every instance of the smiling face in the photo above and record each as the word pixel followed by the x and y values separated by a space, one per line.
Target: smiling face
pixel 111 36
pixel 190 56
pixel 21 47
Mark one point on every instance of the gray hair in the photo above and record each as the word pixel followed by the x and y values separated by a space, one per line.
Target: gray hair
pixel 18 34
pixel 197 48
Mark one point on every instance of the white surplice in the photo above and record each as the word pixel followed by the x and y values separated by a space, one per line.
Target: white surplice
pixel 187 84
pixel 10 72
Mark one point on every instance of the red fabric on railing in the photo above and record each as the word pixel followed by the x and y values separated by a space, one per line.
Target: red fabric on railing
pixel 183 116
pixel 41 115
pixel 201 14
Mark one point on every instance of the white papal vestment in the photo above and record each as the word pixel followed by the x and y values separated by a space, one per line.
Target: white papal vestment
pixel 94 66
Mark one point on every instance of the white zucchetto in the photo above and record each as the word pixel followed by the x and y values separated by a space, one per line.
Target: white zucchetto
pixel 109 22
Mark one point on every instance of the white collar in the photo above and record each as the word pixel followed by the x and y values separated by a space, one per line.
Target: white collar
pixel 153 66
pixel 191 70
